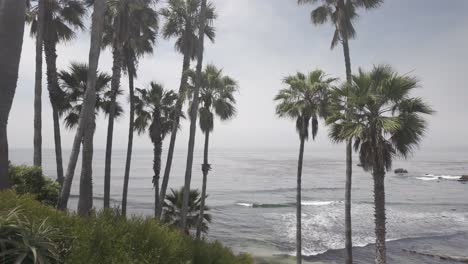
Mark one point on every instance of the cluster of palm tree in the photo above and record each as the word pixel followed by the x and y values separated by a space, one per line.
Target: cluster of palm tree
pixel 372 112
pixel 77 95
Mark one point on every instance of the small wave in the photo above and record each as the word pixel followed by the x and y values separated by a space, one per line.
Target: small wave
pixel 320 203
pixel 432 177
pixel 256 205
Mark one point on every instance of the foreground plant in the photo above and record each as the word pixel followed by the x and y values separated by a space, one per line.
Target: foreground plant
pixel 304 101
pixel 385 122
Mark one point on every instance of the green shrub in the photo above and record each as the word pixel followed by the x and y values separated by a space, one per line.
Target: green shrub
pixel 26 179
pixel 106 237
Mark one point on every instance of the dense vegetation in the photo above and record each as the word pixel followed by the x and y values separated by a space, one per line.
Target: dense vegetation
pixel 105 237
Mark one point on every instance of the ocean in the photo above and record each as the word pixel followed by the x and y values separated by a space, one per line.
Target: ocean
pixel 252 195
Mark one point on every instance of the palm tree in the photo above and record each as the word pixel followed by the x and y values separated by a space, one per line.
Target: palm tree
pixel 61 18
pixel 217 98
pixel 303 100
pixel 385 122
pixel 342 13
pixel 172 210
pixel 154 108
pixel 12 18
pixel 194 112
pixel 74 84
pixel 142 37
pixel 182 18
pixel 38 86
pixel 85 130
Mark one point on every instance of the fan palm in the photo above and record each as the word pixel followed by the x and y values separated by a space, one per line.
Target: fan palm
pixel 182 19
pixel 74 84
pixel 142 37
pixel 154 108
pixel 342 14
pixel 385 122
pixel 12 17
pixel 217 98
pixel 172 210
pixel 304 101
pixel 61 19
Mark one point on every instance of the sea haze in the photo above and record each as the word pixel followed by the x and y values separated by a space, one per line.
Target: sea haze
pixel 252 195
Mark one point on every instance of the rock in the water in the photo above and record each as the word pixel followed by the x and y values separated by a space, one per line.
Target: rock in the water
pixel 464 178
pixel 400 171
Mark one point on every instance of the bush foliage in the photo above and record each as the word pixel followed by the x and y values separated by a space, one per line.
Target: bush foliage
pixel 106 237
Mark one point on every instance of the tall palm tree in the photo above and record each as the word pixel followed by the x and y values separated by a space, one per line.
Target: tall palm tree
pixel 216 98
pixel 74 84
pixel 119 18
pixel 385 122
pixel 141 40
pixel 342 14
pixel 303 100
pixel 85 130
pixel 38 85
pixel 12 18
pixel 194 111
pixel 61 19
pixel 154 108
pixel 182 17
pixel 172 206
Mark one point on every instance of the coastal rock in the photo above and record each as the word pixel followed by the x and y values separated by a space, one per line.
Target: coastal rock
pixel 401 171
pixel 464 178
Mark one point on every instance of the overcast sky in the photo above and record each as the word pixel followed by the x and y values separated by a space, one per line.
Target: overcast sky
pixel 259 42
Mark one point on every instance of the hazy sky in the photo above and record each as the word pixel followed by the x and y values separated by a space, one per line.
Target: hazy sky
pixel 259 42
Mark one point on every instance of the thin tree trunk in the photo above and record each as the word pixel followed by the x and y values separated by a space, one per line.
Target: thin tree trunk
pixel 130 137
pixel 12 17
pixel 378 173
pixel 85 202
pixel 349 171
pixel 206 167
pixel 193 115
pixel 37 159
pixel 115 84
pixel 175 128
pixel 299 203
pixel 157 171
pixel 55 97
pixel 87 112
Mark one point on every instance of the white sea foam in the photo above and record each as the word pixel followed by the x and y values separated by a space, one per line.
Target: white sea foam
pixel 432 177
pixel 245 204
pixel 319 203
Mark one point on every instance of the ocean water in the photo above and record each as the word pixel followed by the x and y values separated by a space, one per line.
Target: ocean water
pixel 252 195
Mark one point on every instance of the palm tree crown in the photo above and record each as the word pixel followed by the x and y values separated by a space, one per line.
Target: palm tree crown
pixel 173 205
pixel 182 19
pixel 216 95
pixel 383 115
pixel 341 13
pixel 62 18
pixel 74 84
pixel 304 100
pixel 154 109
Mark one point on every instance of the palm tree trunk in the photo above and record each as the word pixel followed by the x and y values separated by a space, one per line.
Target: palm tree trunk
pixel 206 167
pixel 37 159
pixel 378 173
pixel 130 138
pixel 54 94
pixel 349 171
pixel 193 115
pixel 12 17
pixel 85 202
pixel 175 128
pixel 157 171
pixel 115 83
pixel 299 203
pixel 87 112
